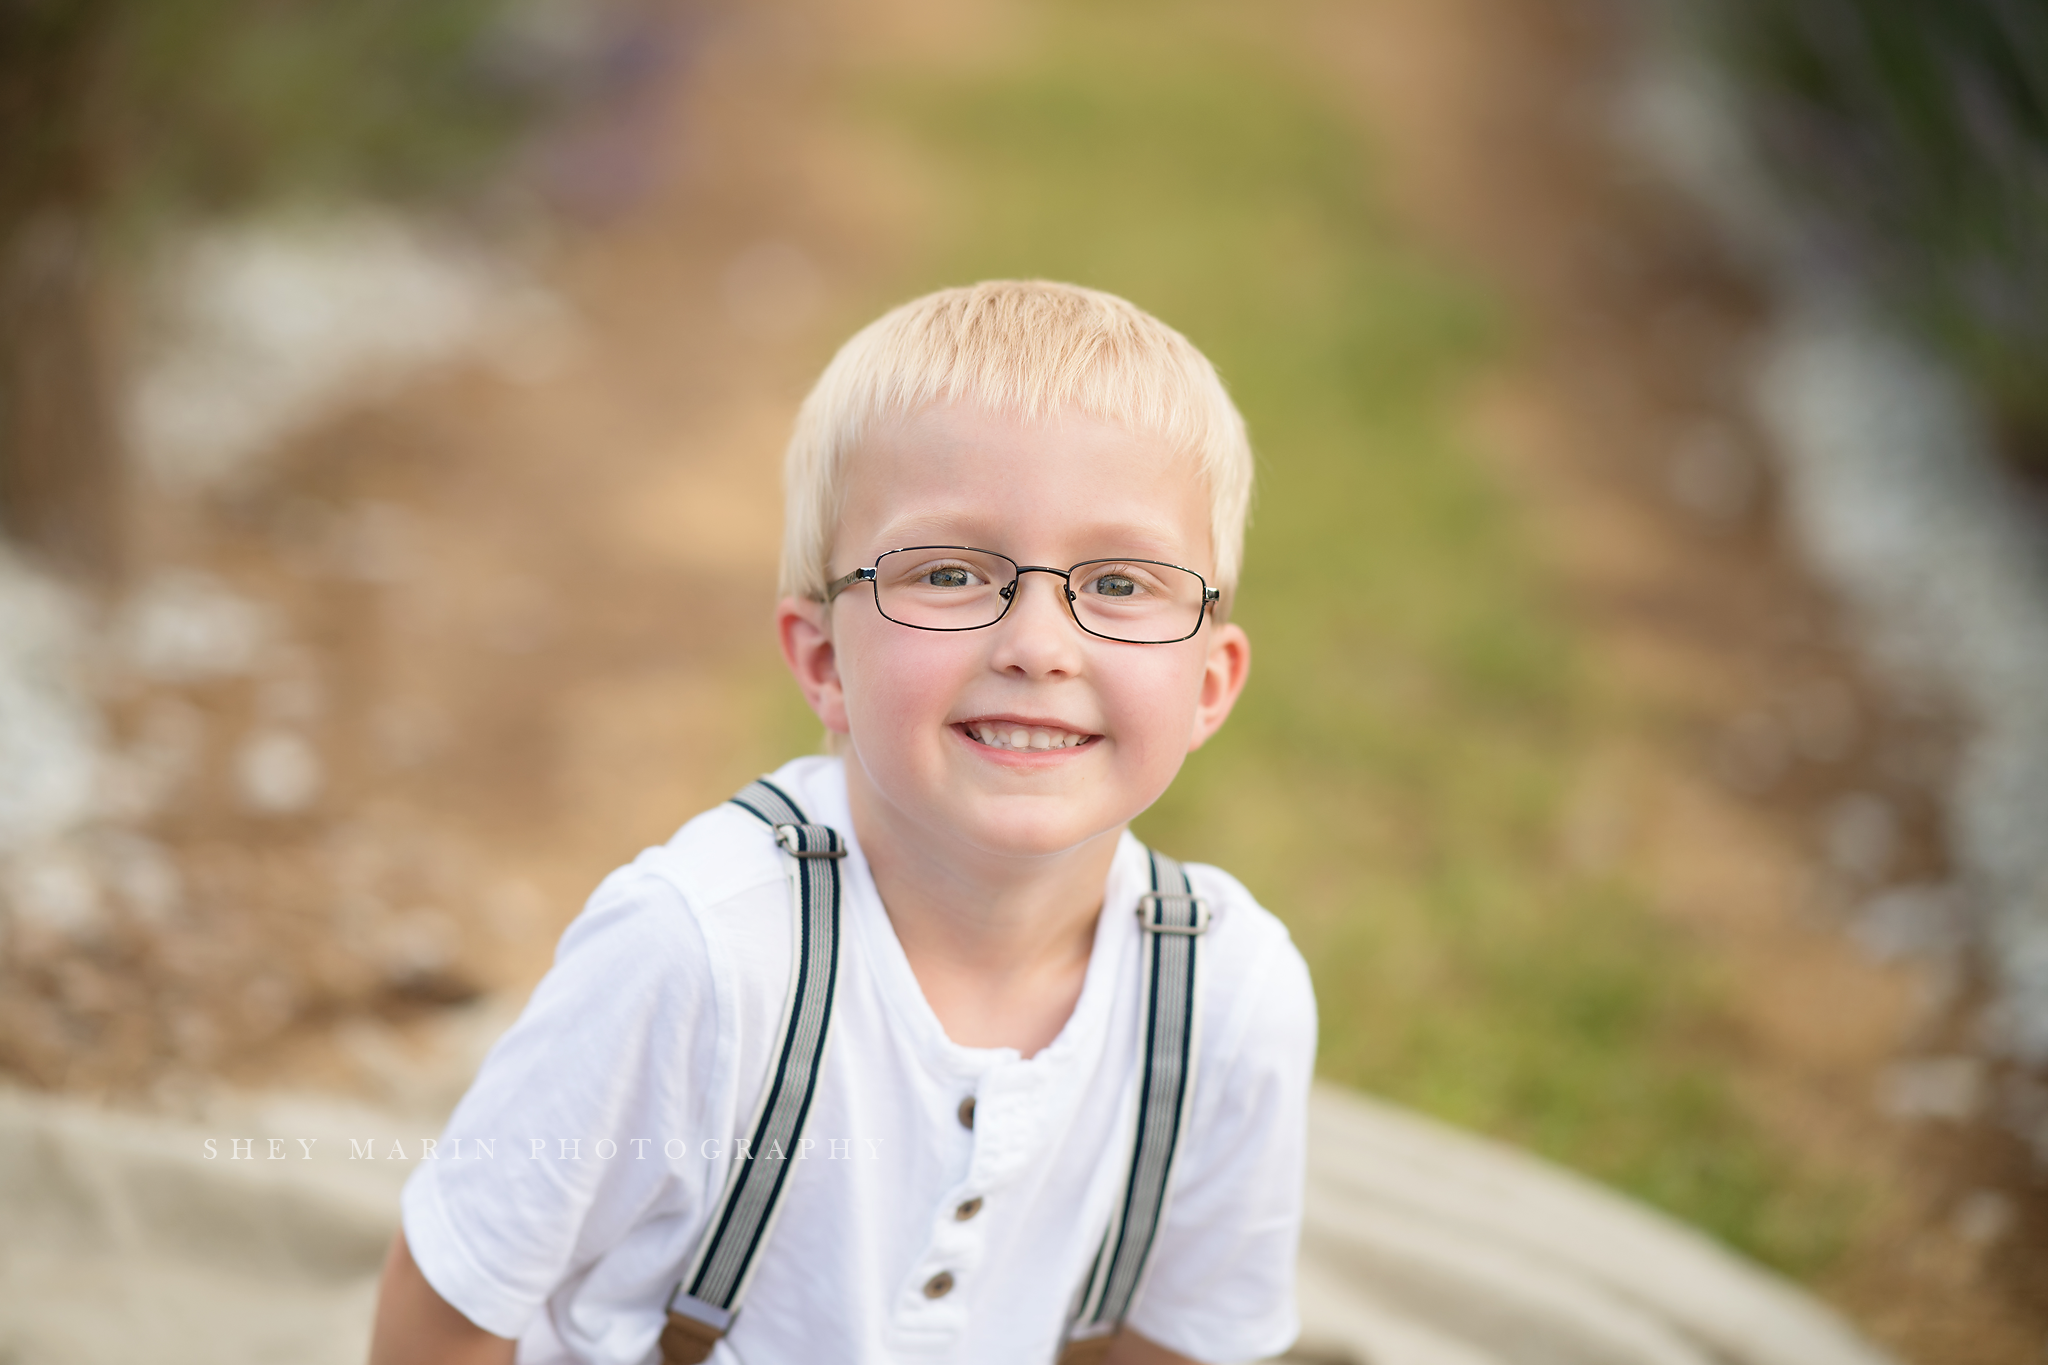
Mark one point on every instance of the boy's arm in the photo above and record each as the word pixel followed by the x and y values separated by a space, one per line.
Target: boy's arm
pixel 416 1326
pixel 1128 1348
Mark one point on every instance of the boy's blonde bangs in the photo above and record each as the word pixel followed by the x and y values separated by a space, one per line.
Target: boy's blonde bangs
pixel 1024 348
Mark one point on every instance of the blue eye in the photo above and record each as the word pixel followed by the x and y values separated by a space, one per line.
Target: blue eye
pixel 1114 585
pixel 947 578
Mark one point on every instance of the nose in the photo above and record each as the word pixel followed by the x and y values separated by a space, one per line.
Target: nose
pixel 1037 634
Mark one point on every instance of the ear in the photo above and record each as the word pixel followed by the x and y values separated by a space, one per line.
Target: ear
pixel 1223 676
pixel 804 629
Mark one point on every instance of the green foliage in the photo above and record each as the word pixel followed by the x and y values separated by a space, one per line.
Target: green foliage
pixel 1390 783
pixel 1915 135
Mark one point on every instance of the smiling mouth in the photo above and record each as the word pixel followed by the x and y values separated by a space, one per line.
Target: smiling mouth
pixel 997 734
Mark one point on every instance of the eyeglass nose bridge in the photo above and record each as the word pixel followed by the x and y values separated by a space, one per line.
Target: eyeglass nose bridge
pixel 1009 589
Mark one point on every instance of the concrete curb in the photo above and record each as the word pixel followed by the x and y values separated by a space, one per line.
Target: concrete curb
pixel 123 1238
pixel 1425 1245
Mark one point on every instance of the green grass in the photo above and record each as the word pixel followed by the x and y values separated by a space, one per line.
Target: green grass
pixel 1390 785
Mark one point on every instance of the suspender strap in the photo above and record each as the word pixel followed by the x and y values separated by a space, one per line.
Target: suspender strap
pixel 1174 919
pixel 703 1305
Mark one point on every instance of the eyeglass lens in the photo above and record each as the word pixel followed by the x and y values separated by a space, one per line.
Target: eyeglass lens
pixel 948 587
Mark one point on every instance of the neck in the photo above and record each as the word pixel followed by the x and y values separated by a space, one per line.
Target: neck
pixel 999 943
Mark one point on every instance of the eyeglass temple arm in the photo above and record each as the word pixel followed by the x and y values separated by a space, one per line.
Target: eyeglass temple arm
pixel 840 585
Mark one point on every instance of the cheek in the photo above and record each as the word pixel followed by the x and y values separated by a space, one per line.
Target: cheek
pixel 1152 703
pixel 899 683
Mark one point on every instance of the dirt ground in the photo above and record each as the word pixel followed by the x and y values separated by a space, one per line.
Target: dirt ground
pixel 523 607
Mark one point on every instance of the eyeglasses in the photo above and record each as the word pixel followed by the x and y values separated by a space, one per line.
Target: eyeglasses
pixel 956 587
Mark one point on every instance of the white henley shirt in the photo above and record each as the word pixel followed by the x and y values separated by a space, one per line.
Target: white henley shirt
pixel 572 1184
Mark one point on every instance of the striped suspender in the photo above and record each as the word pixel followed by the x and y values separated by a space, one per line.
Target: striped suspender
pixel 1174 919
pixel 702 1307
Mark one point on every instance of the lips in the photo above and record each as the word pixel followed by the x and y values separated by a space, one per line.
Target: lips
pixel 1018 736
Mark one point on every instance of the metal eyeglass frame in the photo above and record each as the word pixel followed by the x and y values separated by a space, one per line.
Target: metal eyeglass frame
pixel 872 574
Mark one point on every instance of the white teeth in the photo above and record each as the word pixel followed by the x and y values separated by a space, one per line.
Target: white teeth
pixel 1018 737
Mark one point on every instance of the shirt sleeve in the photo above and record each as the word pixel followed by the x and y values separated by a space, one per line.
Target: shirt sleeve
pixel 1221 1285
pixel 539 1171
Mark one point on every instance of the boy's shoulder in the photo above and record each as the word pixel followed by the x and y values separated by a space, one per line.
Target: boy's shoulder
pixel 712 899
pixel 719 854
pixel 727 851
pixel 1259 982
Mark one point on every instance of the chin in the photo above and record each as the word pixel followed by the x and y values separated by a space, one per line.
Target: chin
pixel 1022 827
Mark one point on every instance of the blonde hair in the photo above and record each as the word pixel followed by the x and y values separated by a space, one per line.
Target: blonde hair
pixel 1021 348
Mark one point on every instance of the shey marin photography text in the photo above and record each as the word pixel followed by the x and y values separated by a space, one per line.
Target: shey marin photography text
pixel 538 1149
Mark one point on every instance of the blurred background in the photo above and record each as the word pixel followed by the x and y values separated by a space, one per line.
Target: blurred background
pixel 1649 577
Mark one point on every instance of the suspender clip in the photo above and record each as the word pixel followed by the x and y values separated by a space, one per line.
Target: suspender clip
pixel 1154 906
pixel 791 839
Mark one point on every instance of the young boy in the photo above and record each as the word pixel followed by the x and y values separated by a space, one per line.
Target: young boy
pixel 1063 1102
